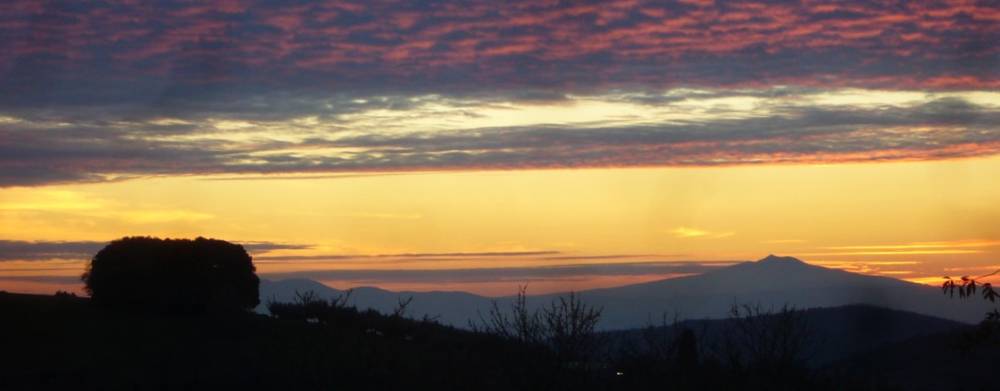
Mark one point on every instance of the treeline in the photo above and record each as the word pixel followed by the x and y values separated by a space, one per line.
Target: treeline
pixel 557 346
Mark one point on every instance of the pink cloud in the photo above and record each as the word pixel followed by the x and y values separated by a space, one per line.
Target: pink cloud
pixel 388 37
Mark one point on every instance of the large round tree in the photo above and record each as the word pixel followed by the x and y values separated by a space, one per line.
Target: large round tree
pixel 179 276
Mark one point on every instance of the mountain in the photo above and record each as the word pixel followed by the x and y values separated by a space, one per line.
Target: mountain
pixel 451 308
pixel 773 282
pixel 770 282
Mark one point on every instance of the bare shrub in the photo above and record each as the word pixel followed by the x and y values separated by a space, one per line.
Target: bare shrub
pixel 310 306
pixel 765 340
pixel 566 325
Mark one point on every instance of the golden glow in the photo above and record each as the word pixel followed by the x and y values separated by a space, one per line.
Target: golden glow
pixel 928 215
pixel 687 232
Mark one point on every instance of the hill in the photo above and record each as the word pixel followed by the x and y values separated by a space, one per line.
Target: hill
pixel 942 361
pixel 834 333
pixel 63 342
pixel 66 342
pixel 451 308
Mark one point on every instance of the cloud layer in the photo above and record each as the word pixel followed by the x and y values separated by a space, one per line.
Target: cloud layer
pixel 677 128
pixel 17 250
pixel 388 45
pixel 516 274
pixel 112 90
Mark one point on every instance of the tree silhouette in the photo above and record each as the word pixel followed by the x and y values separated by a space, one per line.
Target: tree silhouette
pixel 177 276
pixel 687 350
pixel 766 341
pixel 566 326
pixel 967 287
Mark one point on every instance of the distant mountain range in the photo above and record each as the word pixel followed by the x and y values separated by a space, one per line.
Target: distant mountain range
pixel 770 282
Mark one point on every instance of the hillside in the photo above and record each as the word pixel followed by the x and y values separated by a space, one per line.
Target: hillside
pixel 65 342
pixel 834 333
pixel 61 343
pixel 944 361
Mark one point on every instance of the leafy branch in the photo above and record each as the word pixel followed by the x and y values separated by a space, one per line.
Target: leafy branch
pixel 968 286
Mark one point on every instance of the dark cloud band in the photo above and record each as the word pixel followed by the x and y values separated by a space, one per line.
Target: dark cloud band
pixel 15 250
pixel 44 152
pixel 504 273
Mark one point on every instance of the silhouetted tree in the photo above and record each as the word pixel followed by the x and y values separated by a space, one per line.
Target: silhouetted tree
pixel 687 350
pixel 559 342
pixel 770 337
pixel 178 276
pixel 664 353
pixel 309 306
pixel 967 287
pixel 519 324
pixel 762 346
pixel 566 326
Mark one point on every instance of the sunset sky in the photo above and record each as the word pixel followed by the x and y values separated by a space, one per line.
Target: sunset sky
pixel 480 145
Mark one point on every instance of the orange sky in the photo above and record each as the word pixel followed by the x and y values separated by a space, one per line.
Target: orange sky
pixel 910 220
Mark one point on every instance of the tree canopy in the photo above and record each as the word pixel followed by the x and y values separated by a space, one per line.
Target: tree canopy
pixel 180 276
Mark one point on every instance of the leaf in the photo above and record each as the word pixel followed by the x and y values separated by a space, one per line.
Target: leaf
pixel 989 293
pixel 949 288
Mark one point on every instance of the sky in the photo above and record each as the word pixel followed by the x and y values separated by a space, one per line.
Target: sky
pixel 482 145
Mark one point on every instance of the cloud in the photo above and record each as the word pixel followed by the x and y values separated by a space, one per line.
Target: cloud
pixel 871 267
pixel 899 252
pixel 688 128
pixel 273 59
pixel 783 241
pixel 944 247
pixel 61 280
pixel 689 233
pixel 402 257
pixel 462 46
pixel 265 247
pixel 923 245
pixel 502 273
pixel 68 274
pixel 382 216
pixel 16 250
pixel 24 250
pixel 100 91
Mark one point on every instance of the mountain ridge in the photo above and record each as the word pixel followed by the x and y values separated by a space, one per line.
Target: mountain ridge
pixel 773 281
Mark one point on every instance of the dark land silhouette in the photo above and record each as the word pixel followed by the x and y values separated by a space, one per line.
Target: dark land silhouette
pixel 190 327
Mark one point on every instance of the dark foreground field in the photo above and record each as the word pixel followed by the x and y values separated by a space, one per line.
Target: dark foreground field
pixel 64 342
